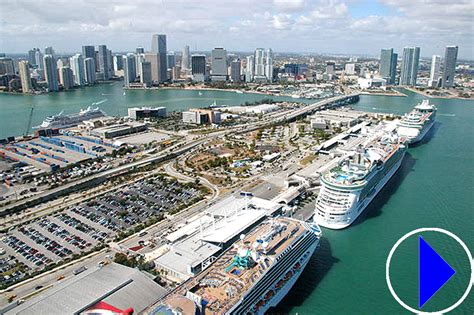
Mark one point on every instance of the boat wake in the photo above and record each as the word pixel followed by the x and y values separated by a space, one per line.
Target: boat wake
pixel 100 102
pixel 447 115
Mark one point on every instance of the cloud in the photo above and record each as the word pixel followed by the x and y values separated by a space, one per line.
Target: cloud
pixel 285 25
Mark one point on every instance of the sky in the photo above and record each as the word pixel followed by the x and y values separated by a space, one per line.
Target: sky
pixel 359 27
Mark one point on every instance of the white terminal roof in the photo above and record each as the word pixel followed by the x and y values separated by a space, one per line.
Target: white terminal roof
pixel 221 222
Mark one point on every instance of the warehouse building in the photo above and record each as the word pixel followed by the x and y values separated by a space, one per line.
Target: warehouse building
pixel 138 113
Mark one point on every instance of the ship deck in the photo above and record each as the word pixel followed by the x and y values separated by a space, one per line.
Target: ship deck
pixel 223 284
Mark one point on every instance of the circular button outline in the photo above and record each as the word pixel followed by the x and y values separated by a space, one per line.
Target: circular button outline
pixel 403 238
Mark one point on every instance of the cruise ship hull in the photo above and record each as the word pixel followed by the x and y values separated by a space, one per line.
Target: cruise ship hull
pixel 422 134
pixel 287 287
pixel 358 207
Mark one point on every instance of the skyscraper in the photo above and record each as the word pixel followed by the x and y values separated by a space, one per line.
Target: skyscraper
pixel 269 65
pixel 77 66
pixel 103 62
pixel 198 67
pixel 235 71
pixel 171 60
pixel 66 77
pixel 139 58
pixel 388 65
pixel 50 73
pixel 409 67
pixel 39 58
pixel 49 51
pixel 145 77
pixel 25 76
pixel 219 64
pixel 158 46
pixel 129 69
pixel 88 52
pixel 154 60
pixel 140 50
pixel 250 69
pixel 118 62
pixel 186 59
pixel 449 69
pixel 32 56
pixel 6 66
pixel 435 71
pixel 89 70
pixel 259 62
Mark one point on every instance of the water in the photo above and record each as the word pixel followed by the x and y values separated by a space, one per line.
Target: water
pixel 433 188
pixel 15 109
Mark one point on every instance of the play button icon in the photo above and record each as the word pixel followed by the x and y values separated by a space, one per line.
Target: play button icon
pixel 434 272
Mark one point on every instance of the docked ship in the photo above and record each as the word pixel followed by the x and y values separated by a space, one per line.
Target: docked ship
pixel 61 121
pixel 251 276
pixel 416 124
pixel 357 177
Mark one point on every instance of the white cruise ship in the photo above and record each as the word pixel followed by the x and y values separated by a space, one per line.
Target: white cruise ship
pixel 416 124
pixel 65 121
pixel 253 275
pixel 348 187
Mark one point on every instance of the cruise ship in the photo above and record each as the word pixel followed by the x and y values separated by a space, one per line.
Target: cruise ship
pixel 65 121
pixel 416 124
pixel 357 177
pixel 253 275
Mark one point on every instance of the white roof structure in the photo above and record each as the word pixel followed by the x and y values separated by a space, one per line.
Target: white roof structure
pixel 203 237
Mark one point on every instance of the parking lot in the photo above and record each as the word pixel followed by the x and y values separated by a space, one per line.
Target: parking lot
pixel 78 229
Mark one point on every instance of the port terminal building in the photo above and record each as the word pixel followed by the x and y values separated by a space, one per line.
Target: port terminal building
pixel 194 246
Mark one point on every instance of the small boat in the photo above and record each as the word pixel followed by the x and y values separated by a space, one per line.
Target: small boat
pixel 239 92
pixel 200 93
pixel 124 93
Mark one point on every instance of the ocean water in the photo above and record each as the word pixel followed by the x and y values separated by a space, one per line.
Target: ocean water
pixel 15 110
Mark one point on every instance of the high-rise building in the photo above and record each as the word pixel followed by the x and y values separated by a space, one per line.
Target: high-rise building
pixel 49 51
pixel 409 67
pixel 449 69
pixel 154 60
pixel 158 46
pixel 140 50
pixel 50 73
pixel 110 63
pixel 269 65
pixel 66 78
pixel 89 70
pixel 388 65
pixel 25 76
pixel 259 62
pixel 32 56
pixel 88 52
pixel 250 69
pixel 171 59
pixel 198 67
pixel 77 66
pixel 39 59
pixel 235 71
pixel 330 67
pixel 435 71
pixel 186 59
pixel 118 62
pixel 349 69
pixel 139 58
pixel 219 64
pixel 103 62
pixel 6 66
pixel 145 77
pixel 129 69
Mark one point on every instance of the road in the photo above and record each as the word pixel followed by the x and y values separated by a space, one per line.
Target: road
pixel 50 278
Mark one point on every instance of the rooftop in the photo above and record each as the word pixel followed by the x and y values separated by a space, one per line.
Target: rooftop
pixel 114 284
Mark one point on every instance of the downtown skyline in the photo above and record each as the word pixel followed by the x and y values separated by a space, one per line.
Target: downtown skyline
pixel 319 27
